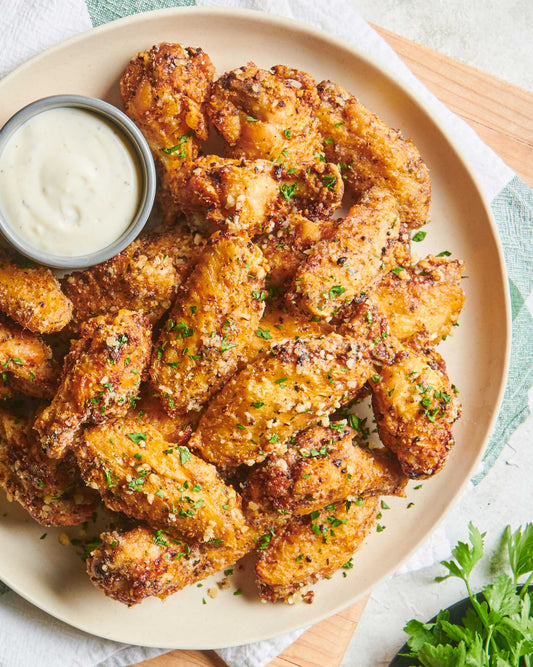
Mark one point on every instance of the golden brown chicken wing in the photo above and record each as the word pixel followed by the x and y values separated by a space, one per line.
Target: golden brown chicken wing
pixel 415 406
pixel 149 410
pixel 51 491
pixel 31 295
pixel 370 153
pixel 425 299
pixel 140 474
pixel 323 466
pixel 312 548
pixel 215 314
pixel 101 374
pixel 143 277
pixel 267 114
pixel 343 267
pixel 294 384
pixel 131 566
pixel 26 362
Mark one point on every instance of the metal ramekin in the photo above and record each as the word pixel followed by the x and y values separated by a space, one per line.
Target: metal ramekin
pixel 146 170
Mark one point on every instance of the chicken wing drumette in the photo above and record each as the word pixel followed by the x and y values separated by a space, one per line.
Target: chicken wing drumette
pixel 370 153
pixel 101 374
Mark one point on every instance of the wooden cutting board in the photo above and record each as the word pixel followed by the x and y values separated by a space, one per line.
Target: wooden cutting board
pixel 502 115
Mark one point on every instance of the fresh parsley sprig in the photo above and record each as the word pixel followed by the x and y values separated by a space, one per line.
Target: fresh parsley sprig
pixel 497 630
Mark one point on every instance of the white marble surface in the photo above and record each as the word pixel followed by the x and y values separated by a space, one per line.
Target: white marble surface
pixel 494 37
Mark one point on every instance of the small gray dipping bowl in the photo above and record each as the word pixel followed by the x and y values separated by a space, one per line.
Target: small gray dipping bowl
pixel 146 170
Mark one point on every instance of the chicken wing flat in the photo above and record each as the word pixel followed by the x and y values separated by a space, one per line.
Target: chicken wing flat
pixel 26 362
pixel 370 153
pixel 248 196
pixel 312 548
pixel 340 268
pixel 292 385
pixel 323 466
pixel 31 295
pixel 101 374
pixel 216 312
pixel 149 410
pixel 131 566
pixel 144 277
pixel 267 114
pixel 425 299
pixel 415 406
pixel 140 474
pixel 51 491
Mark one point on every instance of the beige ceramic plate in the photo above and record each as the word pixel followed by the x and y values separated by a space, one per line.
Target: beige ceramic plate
pixel 52 576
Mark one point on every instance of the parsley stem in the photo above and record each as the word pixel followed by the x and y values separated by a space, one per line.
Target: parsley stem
pixel 525 587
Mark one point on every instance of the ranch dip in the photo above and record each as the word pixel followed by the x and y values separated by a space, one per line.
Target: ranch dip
pixel 69 182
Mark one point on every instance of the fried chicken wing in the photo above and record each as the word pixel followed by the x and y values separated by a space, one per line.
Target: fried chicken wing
pixel 144 277
pixel 285 389
pixel 51 491
pixel 323 466
pixel 131 566
pixel 164 91
pixel 149 410
pixel 31 295
pixel 312 548
pixel 415 406
pixel 215 314
pixel 425 299
pixel 140 474
pixel 267 114
pixel 101 373
pixel 340 268
pixel 248 196
pixel 26 362
pixel 370 153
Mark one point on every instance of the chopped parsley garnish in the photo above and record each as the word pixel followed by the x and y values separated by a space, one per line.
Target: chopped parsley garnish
pixel 288 191
pixel 419 236
pixel 136 437
pixel 264 333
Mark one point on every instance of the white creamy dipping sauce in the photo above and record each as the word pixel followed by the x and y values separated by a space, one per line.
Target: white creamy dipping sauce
pixel 69 182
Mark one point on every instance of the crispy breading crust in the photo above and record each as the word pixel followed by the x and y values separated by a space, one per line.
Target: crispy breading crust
pixel 370 153
pixel 287 388
pixel 131 566
pixel 415 406
pixel 425 299
pixel 31 295
pixel 267 114
pixel 323 466
pixel 26 362
pixel 144 277
pixel 216 313
pixel 140 474
pixel 312 548
pixel 51 491
pixel 101 373
pixel 341 268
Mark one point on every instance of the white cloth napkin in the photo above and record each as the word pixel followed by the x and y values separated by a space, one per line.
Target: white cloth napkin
pixel 28 636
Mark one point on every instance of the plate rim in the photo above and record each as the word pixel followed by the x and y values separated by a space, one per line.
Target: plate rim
pixel 375 63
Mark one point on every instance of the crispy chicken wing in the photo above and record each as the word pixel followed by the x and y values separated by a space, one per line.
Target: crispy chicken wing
pixel 415 407
pixel 31 295
pixel 26 362
pixel 140 474
pixel 370 153
pixel 345 265
pixel 215 314
pixel 267 114
pixel 425 299
pixel 101 373
pixel 248 196
pixel 323 466
pixel 150 410
pixel 51 491
pixel 312 548
pixel 285 389
pixel 131 566
pixel 143 277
